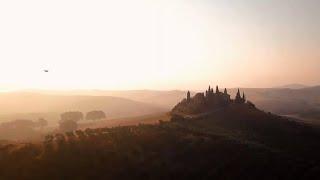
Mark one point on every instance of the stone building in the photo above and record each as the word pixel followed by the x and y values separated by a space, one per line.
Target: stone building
pixel 209 100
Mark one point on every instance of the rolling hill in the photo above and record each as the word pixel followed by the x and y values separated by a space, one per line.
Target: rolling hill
pixel 35 105
pixel 164 99
pixel 284 101
pixel 236 142
pixel 281 101
pixel 292 86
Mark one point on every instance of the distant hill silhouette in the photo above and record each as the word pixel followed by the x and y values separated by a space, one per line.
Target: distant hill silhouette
pixel 280 101
pixel 164 99
pixel 285 101
pixel 42 104
pixel 293 86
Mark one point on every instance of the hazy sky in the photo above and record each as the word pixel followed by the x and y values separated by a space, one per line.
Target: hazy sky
pixel 158 44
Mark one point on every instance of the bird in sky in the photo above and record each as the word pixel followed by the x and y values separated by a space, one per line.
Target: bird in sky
pixel 46 70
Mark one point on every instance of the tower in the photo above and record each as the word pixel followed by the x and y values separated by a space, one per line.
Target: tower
pixel 217 90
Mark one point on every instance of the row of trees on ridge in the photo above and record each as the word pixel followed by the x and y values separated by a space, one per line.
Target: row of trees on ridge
pixel 77 115
pixel 69 120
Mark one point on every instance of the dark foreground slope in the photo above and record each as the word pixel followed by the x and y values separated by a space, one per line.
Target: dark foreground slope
pixel 235 143
pixel 249 124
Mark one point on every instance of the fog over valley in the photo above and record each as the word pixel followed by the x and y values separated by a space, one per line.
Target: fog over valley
pixel 160 90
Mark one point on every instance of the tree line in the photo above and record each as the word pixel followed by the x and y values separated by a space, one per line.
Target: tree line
pixel 69 119
pixel 23 128
pixel 77 115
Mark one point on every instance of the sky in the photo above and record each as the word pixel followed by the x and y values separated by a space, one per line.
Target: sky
pixel 158 44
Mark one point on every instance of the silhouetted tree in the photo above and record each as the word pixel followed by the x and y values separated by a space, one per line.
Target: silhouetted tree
pixel 95 115
pixel 72 115
pixel 238 98
pixel 217 90
pixel 68 125
pixel 188 96
pixel 243 98
pixel 42 123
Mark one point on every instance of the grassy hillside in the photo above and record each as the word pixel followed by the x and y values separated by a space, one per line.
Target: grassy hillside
pixel 235 143
pixel 273 131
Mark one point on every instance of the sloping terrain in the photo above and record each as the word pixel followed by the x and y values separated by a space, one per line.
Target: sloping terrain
pixel 285 101
pixel 252 125
pixel 292 86
pixel 238 142
pixel 35 105
pixel 164 99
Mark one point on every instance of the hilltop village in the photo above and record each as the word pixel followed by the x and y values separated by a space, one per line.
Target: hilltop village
pixel 208 101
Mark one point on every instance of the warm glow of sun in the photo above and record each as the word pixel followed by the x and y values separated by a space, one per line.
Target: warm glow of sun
pixel 139 44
